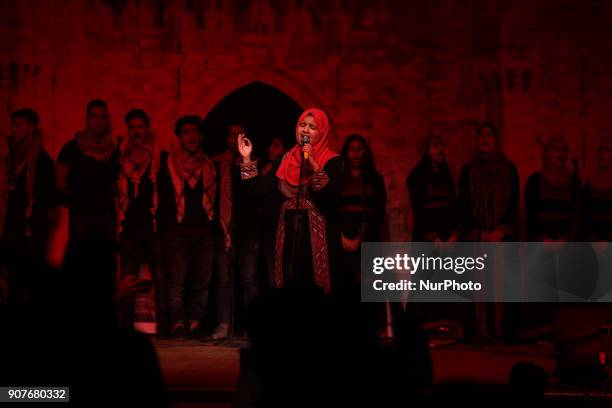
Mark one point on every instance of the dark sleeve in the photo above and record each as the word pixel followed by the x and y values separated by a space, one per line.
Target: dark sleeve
pixel 417 191
pixel 509 220
pixel 263 184
pixel 46 185
pixel 532 205
pixel 66 158
pixel 577 205
pixel 466 223
pixel 380 206
pixel 329 195
pixel 68 154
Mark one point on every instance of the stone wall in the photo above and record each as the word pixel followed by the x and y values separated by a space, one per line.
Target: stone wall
pixel 391 70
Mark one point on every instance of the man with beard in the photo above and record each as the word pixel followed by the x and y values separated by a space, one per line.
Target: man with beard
pixel 27 202
pixel 137 193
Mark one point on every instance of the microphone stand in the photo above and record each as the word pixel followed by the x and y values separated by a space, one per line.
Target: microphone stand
pixel 297 224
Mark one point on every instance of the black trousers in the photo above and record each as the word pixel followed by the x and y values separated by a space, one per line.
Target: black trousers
pixel 189 253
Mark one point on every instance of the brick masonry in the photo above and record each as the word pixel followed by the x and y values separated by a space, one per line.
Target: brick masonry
pixel 391 70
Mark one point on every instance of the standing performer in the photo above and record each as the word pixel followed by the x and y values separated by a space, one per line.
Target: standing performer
pixel 86 174
pixel 551 196
pixel 237 247
pixel 27 202
pixel 186 189
pixel 489 191
pixel 488 205
pixel 310 177
pixel 87 171
pixel 138 244
pixel 435 219
pixel 433 195
pixel 362 207
pixel 597 197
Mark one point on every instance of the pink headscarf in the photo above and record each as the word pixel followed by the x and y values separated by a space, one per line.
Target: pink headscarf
pixel 289 169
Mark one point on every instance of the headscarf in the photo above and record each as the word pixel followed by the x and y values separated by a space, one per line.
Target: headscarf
pixel 98 148
pixel 289 169
pixel 602 176
pixel 555 175
pixel 21 154
pixel 135 160
pixel 187 167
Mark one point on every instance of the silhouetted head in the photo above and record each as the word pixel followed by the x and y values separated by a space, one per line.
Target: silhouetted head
pixel 277 148
pixel 357 154
pixel 23 123
pixel 487 138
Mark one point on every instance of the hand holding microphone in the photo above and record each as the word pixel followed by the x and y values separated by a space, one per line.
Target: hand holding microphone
pixel 306 146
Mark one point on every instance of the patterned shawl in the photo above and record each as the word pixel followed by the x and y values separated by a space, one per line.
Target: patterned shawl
pixel 135 160
pixel 188 167
pixel 21 155
pixel 99 148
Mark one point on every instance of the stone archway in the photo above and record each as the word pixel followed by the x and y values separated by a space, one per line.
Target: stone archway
pixel 263 110
pixel 234 80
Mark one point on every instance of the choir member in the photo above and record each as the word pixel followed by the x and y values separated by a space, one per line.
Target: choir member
pixel 137 199
pixel 432 195
pixel 87 173
pixel 361 209
pixel 186 189
pixel 27 203
pixel 238 247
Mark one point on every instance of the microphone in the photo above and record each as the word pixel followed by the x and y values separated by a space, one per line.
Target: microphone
pixel 305 140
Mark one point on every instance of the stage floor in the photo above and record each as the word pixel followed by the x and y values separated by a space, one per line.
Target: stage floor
pixel 204 375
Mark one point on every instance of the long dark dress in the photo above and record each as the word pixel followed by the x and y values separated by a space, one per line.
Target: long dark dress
pixel 488 201
pixel 551 210
pixel 308 240
pixel 596 213
pixel 434 202
pixel 435 208
pixel 361 215
pixel 553 214
pixel 488 198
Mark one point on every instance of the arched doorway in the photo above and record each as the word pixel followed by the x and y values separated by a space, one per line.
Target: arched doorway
pixel 263 110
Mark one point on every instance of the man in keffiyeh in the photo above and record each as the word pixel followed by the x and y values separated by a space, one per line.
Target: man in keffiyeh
pixel 137 199
pixel 27 203
pixel 87 172
pixel 186 190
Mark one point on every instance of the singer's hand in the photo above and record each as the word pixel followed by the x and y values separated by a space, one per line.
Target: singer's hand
pixel 307 150
pixel 245 147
